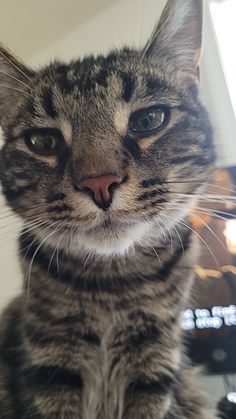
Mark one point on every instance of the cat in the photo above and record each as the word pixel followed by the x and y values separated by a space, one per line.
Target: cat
pixel 101 160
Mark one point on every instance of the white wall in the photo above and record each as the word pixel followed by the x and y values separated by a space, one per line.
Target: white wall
pixel 128 22
pixel 216 97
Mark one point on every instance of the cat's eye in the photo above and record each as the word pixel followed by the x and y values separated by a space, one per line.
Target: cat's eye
pixel 45 142
pixel 146 121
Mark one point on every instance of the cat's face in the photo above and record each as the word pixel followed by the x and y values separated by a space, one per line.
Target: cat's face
pixel 99 153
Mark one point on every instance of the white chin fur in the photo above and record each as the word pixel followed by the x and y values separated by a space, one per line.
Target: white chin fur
pixel 115 242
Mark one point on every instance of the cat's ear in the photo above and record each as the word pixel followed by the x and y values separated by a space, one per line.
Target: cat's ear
pixel 177 39
pixel 15 82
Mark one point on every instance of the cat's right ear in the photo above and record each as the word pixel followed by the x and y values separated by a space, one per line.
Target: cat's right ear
pixel 15 84
pixel 176 41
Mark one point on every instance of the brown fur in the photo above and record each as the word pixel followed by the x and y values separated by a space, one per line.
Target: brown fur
pixel 95 333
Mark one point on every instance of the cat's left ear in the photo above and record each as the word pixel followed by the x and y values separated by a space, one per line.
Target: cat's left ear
pixel 176 41
pixel 15 85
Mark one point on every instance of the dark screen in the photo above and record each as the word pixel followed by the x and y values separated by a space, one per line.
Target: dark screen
pixel 209 322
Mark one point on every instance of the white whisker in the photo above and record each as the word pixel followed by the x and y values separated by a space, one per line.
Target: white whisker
pixel 16 89
pixel 198 235
pixel 15 78
pixel 28 276
pixel 14 65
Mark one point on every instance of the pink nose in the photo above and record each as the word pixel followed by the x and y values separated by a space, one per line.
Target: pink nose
pixel 101 188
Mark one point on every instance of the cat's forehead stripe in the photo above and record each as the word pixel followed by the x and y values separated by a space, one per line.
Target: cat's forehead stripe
pixel 154 83
pixel 128 86
pixel 48 105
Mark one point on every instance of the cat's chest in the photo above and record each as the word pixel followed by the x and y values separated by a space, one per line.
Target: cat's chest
pixel 87 349
pixel 105 380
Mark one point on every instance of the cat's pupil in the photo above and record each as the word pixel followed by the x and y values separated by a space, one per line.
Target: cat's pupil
pixel 42 144
pixel 45 143
pixel 150 120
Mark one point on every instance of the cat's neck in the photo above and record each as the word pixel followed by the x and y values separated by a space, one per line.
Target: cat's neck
pixel 108 288
pixel 150 260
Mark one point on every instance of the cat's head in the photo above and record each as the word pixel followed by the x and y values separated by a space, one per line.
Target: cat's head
pixel 102 152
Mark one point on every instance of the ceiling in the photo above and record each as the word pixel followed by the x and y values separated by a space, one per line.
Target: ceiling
pixel 29 26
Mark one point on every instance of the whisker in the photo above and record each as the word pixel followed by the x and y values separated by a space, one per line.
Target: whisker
pixel 28 276
pixel 220 199
pixel 16 89
pixel 206 184
pixel 211 231
pixel 51 259
pixel 88 255
pixel 57 252
pixel 8 216
pixel 178 235
pixel 14 65
pixel 199 237
pixel 199 218
pixel 148 245
pixel 14 231
pixel 14 78
pixel 216 213
pixel 68 238
pixel 36 238
pixel 169 233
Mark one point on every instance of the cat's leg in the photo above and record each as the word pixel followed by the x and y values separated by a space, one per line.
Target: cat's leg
pixel 195 403
pixel 56 391
pixel 55 403
pixel 46 399
pixel 146 367
pixel 6 406
pixel 144 360
pixel 180 399
pixel 15 394
pixel 39 393
pixel 9 358
pixel 176 401
pixel 148 407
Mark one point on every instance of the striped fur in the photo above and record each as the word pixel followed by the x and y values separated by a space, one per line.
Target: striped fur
pixel 95 333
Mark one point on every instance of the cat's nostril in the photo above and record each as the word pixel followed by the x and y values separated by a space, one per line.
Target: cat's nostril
pixel 112 187
pixel 101 188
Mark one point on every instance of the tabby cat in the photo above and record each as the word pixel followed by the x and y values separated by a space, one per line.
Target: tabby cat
pixel 101 159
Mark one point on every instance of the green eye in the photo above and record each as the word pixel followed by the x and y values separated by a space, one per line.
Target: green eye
pixel 147 120
pixel 44 142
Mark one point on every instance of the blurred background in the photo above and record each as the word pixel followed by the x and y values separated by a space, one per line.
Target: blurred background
pixel 39 32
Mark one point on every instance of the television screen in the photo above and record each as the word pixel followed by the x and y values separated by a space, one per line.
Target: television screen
pixel 209 322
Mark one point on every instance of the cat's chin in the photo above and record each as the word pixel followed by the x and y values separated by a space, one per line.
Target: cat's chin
pixel 108 240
